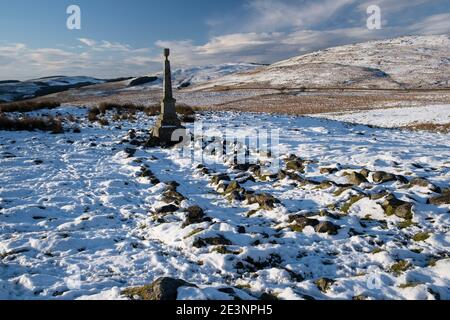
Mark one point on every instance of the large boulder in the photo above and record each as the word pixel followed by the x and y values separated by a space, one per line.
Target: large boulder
pixel 163 289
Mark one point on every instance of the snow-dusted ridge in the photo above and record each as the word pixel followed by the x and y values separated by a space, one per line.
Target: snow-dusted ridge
pixel 187 77
pixel 12 91
pixel 406 62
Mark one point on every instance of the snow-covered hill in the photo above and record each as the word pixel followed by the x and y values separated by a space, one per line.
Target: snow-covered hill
pixel 186 77
pixel 18 90
pixel 411 62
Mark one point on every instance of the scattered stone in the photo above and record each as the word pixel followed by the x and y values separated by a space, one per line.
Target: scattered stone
pixel 268 297
pixel 356 178
pixel 422 236
pixel 241 230
pixel 348 205
pixel 328 170
pixel 400 267
pixel 163 289
pixel 402 179
pixel 327 227
pixel 301 222
pixel 324 284
pixel 172 186
pixel 235 196
pixel 365 173
pixel 440 200
pixel 295 165
pixel 213 241
pixel 194 215
pixel 383 177
pixel 379 195
pixel 173 196
pixel 146 173
pixel 130 152
pixel 219 178
pixel 167 209
pixel 265 201
pixel 325 185
pixel 241 167
pixel 233 186
pixel 394 206
pixel 422 182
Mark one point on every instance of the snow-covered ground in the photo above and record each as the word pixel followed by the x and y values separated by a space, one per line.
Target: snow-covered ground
pixel 394 117
pixel 79 219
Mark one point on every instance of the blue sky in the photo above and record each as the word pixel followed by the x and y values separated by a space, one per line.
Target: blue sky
pixel 122 38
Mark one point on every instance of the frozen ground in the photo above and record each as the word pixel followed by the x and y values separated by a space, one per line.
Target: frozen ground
pixel 394 117
pixel 79 219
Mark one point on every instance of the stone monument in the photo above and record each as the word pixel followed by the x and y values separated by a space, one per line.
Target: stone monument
pixel 168 121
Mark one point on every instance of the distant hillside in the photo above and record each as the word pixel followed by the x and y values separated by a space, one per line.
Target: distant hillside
pixel 406 62
pixel 186 77
pixel 19 90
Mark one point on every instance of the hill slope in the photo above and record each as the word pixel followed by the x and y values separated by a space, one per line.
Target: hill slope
pixel 406 62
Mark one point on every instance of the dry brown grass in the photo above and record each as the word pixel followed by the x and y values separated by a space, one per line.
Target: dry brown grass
pixel 431 127
pixel 29 105
pixel 298 103
pixel 31 124
pixel 127 111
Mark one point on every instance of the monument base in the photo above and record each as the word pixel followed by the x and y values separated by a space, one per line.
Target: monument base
pixel 167 132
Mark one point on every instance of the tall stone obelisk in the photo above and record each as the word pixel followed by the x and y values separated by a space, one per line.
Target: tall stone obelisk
pixel 168 120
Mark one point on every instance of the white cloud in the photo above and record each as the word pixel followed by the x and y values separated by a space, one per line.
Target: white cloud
pixel 87 42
